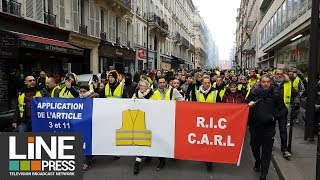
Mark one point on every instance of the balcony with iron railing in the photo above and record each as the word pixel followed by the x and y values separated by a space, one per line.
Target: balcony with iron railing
pixel 11 7
pixel 127 3
pixel 192 47
pixel 103 36
pixel 83 29
pixel 177 36
pixel 118 41
pixel 50 19
pixel 184 42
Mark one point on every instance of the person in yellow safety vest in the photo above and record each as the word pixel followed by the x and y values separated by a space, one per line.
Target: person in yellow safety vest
pixel 227 78
pixel 23 112
pixel 42 80
pixel 165 92
pixel 252 80
pixel 85 92
pixel 176 84
pixel 70 90
pixel 114 88
pixel 143 91
pixel 234 78
pixel 296 94
pixel 244 87
pixel 53 88
pixel 194 87
pixel 207 94
pixel 282 85
pixel 220 86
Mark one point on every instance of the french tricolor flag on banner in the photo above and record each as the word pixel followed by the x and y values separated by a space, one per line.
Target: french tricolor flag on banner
pixel 127 127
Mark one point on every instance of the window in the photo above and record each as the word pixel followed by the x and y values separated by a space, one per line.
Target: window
pixel 35 10
pixel 302 6
pixel 289 10
pixel 274 29
pixel 279 20
pixel 295 9
pixel 62 18
pixel 75 14
pixel 284 15
pixel 94 19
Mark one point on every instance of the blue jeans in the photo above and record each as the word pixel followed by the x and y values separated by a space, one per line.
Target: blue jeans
pixel 25 127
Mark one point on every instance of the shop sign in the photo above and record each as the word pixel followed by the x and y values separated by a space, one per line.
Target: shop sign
pixel 8 45
pixel 141 54
pixel 48 47
pixel 118 52
pixel 110 51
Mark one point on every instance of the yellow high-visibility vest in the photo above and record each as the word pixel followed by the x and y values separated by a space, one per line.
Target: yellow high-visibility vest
pixel 295 83
pixel 248 88
pixel 117 92
pixel 211 98
pixel 91 87
pixel 21 102
pixel 53 90
pixel 252 83
pixel 64 94
pixel 287 93
pixel 133 131
pixel 157 95
pixel 222 92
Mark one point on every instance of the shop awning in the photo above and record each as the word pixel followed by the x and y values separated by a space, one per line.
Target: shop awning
pixel 41 43
pixel 177 60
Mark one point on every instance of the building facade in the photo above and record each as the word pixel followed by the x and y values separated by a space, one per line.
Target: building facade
pixel 206 53
pixel 282 33
pixel 246 33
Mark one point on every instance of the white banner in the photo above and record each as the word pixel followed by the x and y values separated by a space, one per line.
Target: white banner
pixel 155 138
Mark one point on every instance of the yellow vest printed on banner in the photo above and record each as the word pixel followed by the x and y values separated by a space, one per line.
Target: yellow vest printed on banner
pixel 133 131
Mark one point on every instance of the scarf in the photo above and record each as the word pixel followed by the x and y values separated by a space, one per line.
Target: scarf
pixel 203 91
pixel 278 81
pixel 142 95
pixel 263 93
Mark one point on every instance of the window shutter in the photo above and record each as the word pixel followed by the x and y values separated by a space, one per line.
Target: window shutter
pixel 75 14
pixel 106 21
pixel 62 14
pixel 110 25
pixel 130 35
pixel 97 21
pixel 29 9
pixel 134 33
pixel 114 27
pixel 91 17
pixel 39 10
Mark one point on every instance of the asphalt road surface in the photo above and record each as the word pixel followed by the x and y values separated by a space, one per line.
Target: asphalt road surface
pixel 105 168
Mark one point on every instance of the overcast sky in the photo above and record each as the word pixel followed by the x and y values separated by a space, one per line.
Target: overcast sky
pixel 220 17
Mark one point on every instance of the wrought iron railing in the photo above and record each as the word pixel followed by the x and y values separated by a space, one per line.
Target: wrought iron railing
pixel 83 29
pixel 11 7
pixel 50 19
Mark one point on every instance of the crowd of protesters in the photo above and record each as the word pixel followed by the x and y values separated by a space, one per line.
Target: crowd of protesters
pixel 273 95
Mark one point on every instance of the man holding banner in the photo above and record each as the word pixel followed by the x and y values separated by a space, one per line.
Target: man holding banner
pixel 165 92
pixel 264 104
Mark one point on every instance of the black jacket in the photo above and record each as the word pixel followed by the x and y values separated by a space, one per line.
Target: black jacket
pixel 267 108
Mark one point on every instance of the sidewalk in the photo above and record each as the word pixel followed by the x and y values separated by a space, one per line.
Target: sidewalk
pixel 302 164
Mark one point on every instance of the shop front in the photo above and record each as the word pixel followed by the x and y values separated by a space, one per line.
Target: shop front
pixel 141 59
pixel 176 62
pixel 295 54
pixel 165 62
pixel 25 54
pixel 117 58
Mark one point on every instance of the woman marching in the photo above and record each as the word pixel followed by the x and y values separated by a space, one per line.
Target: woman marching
pixel 143 92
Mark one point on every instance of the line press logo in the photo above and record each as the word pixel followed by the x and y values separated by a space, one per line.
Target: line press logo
pixel 39 155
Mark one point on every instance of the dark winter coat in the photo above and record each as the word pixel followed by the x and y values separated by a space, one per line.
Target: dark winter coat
pixel 268 107
pixel 235 98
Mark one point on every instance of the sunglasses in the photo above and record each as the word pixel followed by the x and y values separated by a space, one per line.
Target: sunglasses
pixel 31 80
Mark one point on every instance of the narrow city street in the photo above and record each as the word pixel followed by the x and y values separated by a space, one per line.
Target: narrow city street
pixel 106 168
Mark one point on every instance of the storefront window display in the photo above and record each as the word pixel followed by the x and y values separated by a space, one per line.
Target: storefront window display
pixel 295 54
